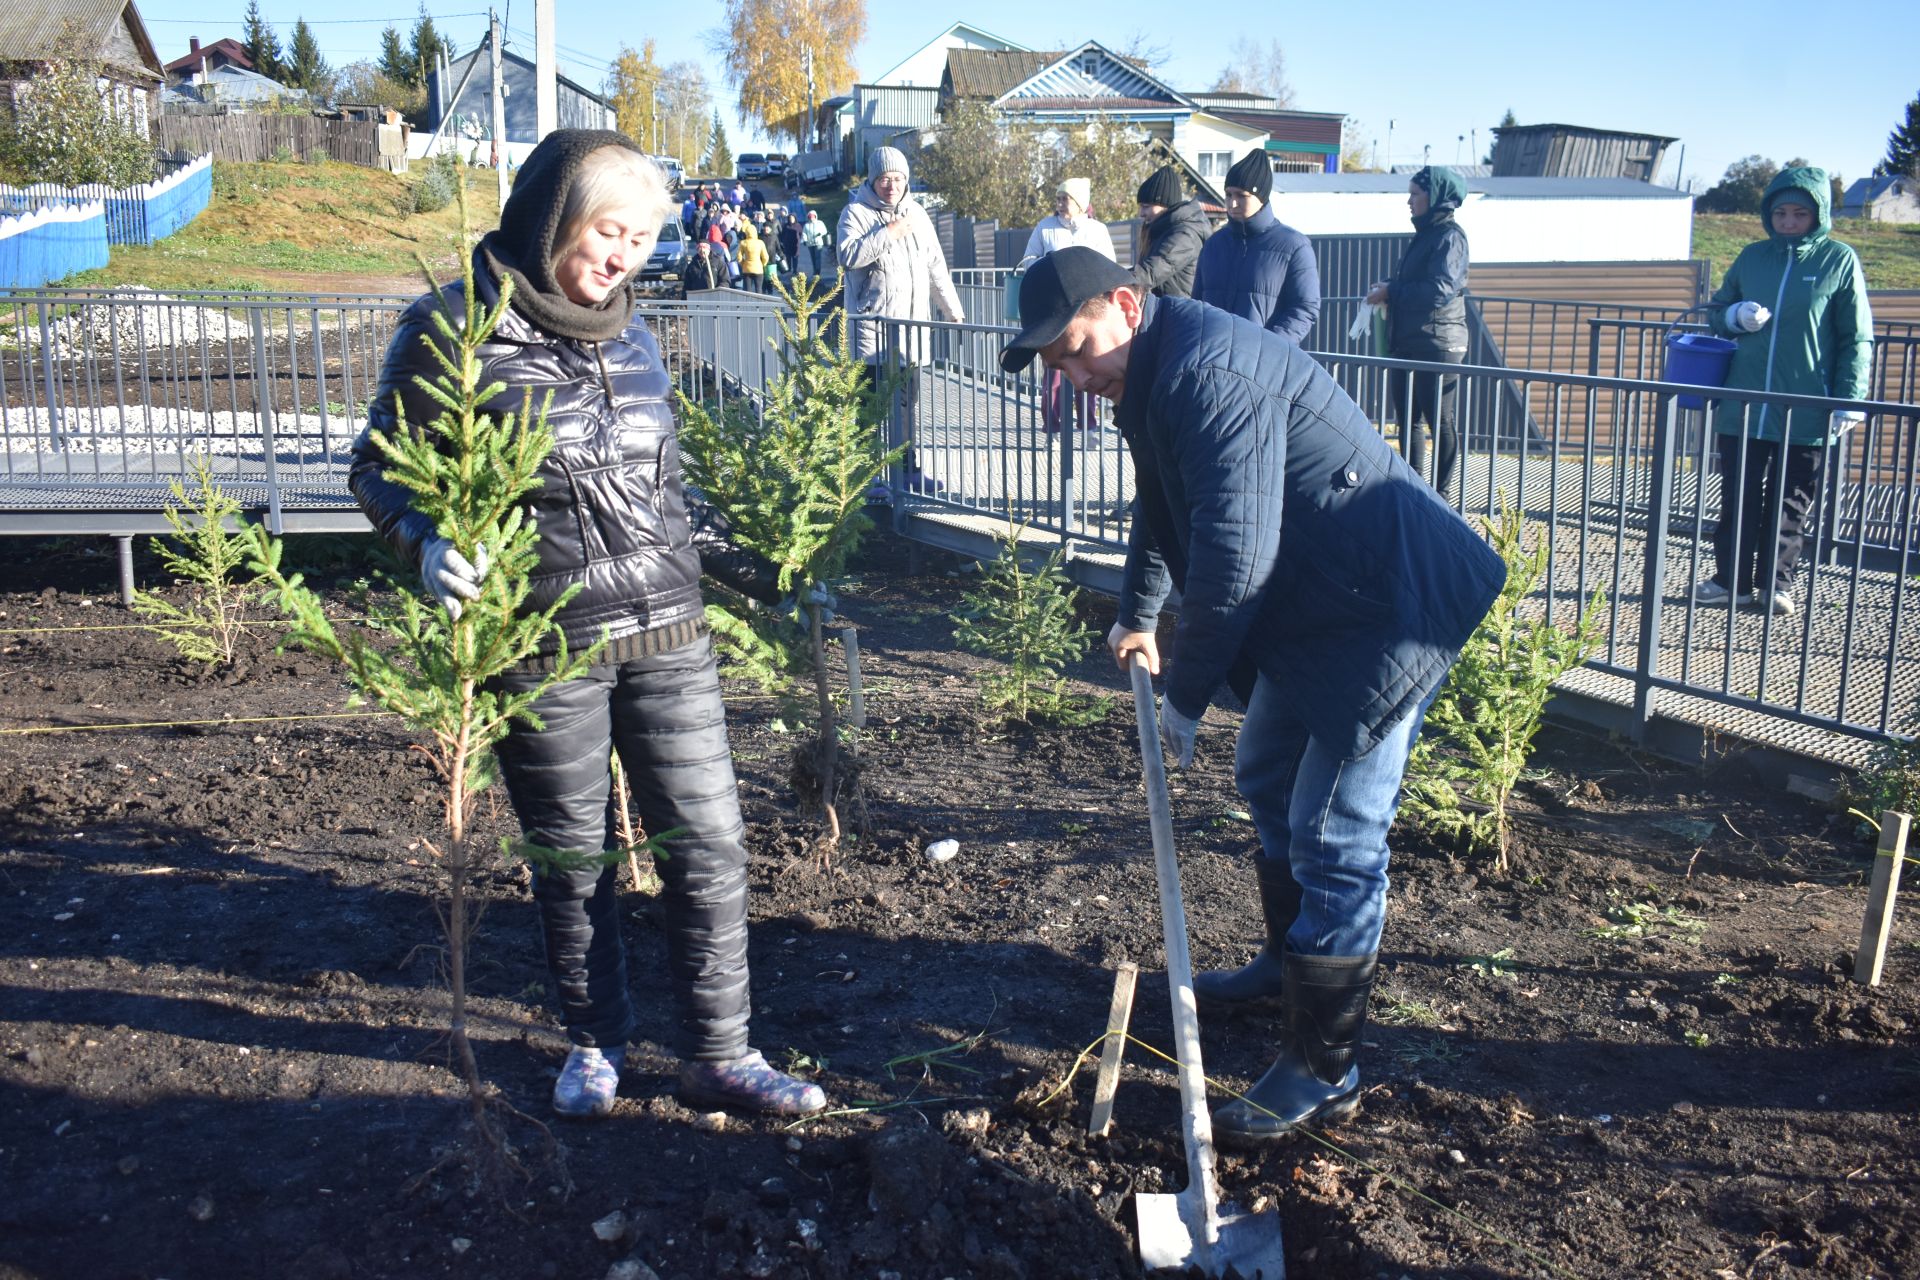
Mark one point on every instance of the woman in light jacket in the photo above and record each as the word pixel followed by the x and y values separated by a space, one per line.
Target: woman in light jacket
pixel 893 269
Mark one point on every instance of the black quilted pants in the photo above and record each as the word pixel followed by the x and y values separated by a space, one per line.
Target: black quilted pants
pixel 663 714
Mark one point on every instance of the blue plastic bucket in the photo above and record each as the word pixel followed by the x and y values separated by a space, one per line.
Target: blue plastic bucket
pixel 1700 359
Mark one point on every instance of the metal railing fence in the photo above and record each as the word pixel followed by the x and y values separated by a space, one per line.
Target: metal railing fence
pixel 1632 519
pixel 105 398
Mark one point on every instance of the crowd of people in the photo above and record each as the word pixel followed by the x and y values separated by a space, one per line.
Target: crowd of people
pixel 743 241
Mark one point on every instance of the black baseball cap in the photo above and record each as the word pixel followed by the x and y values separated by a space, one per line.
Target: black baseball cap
pixel 1054 289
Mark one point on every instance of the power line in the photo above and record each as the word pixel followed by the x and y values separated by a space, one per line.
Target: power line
pixel 330 22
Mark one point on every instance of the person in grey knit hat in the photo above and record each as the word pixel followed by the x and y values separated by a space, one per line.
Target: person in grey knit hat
pixel 892 268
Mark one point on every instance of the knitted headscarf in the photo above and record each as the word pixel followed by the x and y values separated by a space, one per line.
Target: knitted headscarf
pixel 521 248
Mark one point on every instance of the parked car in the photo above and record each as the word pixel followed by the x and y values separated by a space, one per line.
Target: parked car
pixel 776 164
pixel 668 260
pixel 750 164
pixel 671 167
pixel 810 171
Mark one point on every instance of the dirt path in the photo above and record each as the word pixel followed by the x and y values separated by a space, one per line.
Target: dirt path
pixel 1640 1055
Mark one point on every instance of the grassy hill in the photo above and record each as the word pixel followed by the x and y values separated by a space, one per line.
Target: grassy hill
pixel 1890 254
pixel 303 228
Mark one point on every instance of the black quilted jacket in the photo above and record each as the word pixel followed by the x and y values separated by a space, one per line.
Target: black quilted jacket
pixel 612 512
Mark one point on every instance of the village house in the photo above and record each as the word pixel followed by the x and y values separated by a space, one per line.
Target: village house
pixel 109 31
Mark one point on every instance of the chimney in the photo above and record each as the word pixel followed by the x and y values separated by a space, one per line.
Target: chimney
pixel 193 44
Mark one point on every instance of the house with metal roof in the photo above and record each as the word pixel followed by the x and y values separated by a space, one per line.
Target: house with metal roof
pixel 1297 141
pixel 1506 219
pixel 470 127
pixel 202 60
pixel 232 89
pixel 1894 198
pixel 1075 86
pixel 110 31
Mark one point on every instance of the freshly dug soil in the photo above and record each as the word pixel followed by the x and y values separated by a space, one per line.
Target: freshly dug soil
pixel 222 1038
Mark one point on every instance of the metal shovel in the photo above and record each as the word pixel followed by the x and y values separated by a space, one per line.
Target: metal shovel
pixel 1192 1228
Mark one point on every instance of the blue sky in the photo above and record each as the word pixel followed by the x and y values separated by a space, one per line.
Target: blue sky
pixel 1779 79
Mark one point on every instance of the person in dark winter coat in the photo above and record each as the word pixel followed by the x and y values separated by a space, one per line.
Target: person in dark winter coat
pixel 1426 305
pixel 704 270
pixel 1320 580
pixel 1257 267
pixel 614 523
pixel 1174 228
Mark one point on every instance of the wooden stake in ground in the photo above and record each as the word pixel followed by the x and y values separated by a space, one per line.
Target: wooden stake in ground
pixel 1119 1016
pixel 1871 958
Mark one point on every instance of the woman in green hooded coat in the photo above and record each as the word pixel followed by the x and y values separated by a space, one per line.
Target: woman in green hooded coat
pixel 1796 303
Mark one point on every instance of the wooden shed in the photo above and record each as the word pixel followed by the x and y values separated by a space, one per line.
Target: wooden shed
pixel 1574 151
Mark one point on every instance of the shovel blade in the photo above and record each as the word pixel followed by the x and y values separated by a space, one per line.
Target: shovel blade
pixel 1249 1243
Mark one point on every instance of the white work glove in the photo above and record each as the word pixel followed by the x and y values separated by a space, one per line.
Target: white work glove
pixel 450 577
pixel 1845 420
pixel 1747 317
pixel 1176 736
pixel 816 594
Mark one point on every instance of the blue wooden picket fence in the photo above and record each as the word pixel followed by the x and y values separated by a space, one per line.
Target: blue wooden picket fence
pixel 49 232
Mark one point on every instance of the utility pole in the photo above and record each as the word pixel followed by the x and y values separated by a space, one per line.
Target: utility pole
pixel 1386 162
pixel 499 109
pixel 807 145
pixel 546 70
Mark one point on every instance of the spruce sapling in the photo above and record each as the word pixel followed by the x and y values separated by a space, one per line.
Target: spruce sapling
pixel 1481 727
pixel 1026 619
pixel 208 625
pixel 790 478
pixel 468 472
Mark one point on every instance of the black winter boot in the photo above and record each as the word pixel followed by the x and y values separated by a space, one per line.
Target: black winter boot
pixel 1259 979
pixel 1314 1080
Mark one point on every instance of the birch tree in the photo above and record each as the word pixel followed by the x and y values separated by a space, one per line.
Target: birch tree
pixel 766 44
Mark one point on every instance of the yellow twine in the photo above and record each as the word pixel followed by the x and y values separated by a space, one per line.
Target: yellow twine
pixel 188 724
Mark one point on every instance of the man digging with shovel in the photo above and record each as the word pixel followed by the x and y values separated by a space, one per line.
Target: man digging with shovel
pixel 1321 579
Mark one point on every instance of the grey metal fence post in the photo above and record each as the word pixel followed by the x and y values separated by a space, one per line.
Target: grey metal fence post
pixel 1653 583
pixel 263 409
pixel 52 397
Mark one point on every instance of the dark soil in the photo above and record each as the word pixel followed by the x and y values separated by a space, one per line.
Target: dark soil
pixel 221 1035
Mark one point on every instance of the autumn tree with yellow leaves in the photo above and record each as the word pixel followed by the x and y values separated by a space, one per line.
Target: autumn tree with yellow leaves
pixel 766 44
pixel 664 109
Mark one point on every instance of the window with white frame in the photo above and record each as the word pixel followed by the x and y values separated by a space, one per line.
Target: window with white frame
pixel 1214 164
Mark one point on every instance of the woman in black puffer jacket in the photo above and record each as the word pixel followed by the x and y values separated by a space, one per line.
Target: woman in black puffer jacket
pixel 613 520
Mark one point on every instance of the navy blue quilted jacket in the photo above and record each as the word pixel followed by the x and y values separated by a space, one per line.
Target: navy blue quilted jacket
pixel 1303 547
pixel 1263 270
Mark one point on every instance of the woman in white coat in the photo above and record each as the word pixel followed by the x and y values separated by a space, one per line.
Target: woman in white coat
pixel 1068 224
pixel 893 269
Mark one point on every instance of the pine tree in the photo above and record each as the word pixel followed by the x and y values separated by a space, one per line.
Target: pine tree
pixel 262 45
pixel 1026 619
pixel 428 45
pixel 396 60
pixel 790 478
pixel 1903 145
pixel 719 154
pixel 306 69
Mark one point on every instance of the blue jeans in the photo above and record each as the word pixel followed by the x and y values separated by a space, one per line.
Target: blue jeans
pixel 1326 817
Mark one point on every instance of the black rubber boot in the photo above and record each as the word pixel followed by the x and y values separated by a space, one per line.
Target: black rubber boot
pixel 1259 979
pixel 1314 1081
